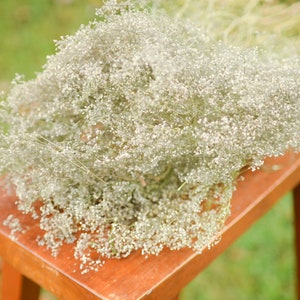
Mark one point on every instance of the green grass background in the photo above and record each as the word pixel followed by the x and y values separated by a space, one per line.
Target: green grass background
pixel 258 266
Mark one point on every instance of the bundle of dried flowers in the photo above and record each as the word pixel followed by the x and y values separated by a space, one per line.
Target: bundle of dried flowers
pixel 134 133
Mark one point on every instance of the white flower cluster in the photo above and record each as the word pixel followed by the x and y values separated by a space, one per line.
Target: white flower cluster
pixel 134 133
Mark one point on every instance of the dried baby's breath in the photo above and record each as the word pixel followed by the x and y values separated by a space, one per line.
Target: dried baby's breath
pixel 15 227
pixel 134 133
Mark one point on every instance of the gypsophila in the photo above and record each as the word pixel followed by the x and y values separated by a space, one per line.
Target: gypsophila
pixel 134 133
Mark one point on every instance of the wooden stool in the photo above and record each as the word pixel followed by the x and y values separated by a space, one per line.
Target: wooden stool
pixel 28 266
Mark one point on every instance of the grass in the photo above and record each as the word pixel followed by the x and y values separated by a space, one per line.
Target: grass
pixel 260 265
pixel 28 28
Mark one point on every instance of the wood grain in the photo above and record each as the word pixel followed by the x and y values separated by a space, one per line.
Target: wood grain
pixel 157 277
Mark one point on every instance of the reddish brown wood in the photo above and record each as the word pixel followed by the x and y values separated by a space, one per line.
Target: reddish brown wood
pixel 297 235
pixel 15 286
pixel 12 283
pixel 158 277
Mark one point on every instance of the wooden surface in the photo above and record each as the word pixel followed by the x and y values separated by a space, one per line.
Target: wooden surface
pixel 15 286
pixel 158 277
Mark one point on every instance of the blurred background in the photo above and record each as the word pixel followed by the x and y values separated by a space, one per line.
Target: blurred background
pixel 258 266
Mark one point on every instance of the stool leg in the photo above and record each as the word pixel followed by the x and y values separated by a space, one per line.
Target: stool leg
pixel 297 235
pixel 15 286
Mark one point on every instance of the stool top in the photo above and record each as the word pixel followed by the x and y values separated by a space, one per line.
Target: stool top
pixel 135 277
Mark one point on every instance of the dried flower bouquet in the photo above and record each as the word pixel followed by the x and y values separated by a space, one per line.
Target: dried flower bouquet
pixel 133 135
